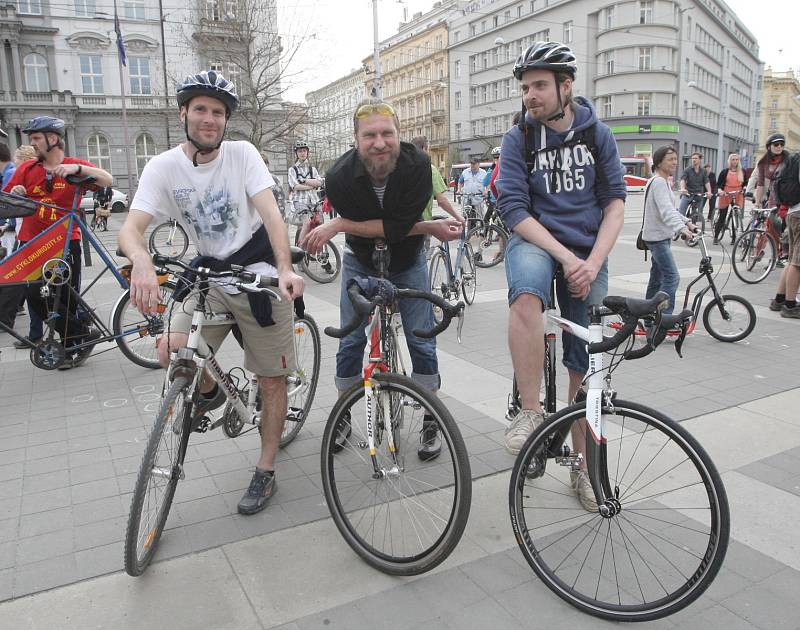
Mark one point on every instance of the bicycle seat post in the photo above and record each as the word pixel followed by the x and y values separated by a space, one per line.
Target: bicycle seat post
pixel 381 257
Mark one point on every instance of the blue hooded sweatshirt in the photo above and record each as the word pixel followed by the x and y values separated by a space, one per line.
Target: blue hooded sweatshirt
pixel 561 191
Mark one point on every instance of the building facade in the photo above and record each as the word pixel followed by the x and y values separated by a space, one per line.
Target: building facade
pixel 62 60
pixel 658 72
pixel 781 108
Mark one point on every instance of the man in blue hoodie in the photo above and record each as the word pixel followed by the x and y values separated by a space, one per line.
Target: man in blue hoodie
pixel 562 193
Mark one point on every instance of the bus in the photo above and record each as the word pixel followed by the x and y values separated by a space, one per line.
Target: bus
pixel 637 172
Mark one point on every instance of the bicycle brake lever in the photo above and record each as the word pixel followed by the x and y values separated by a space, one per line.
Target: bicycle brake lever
pixel 681 337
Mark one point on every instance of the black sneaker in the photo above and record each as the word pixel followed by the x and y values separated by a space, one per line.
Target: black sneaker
pixel 343 431
pixel 207 404
pixel 22 345
pixel 430 444
pixel 262 487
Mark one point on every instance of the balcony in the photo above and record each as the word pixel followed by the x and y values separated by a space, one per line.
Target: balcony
pixel 438 115
pixel 13 98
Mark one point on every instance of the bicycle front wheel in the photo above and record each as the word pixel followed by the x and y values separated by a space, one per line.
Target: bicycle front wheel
pixel 667 534
pixel 325 265
pixel 406 515
pixel 169 239
pixel 489 244
pixel 754 255
pixel 159 472
pixel 439 281
pixel 136 334
pixel 469 276
pixel 302 384
pixel 730 320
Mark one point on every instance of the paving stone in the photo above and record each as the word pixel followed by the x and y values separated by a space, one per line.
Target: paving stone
pixel 715 617
pixel 497 573
pixel 7 554
pixel 11 489
pixel 81 493
pixel 100 533
pixel 44 546
pixel 44 522
pixel 45 465
pixel 486 613
pixel 46 481
pixel 204 509
pixel 306 510
pixel 100 510
pixel 91 472
pixel 99 560
pixel 772 603
pixel 212 533
pixel 46 574
pixel 43 501
pixel 6 584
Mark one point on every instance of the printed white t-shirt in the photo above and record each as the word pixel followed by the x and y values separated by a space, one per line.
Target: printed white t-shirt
pixel 210 201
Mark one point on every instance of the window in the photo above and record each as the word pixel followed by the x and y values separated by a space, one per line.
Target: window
pixel 133 9
pixel 644 59
pixel 91 74
pixel 458 131
pixel 213 12
pixel 645 11
pixel 610 17
pixel 456 37
pixel 139 72
pixel 643 105
pixel 457 69
pixel 606 107
pixel 774 103
pixel 36 77
pixel 608 61
pixel 31 7
pixel 457 100
pixel 567 37
pixel 439 70
pixel 85 8
pixel 472 29
pixel 145 149
pixel 98 152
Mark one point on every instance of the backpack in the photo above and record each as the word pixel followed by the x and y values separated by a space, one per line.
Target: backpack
pixel 786 182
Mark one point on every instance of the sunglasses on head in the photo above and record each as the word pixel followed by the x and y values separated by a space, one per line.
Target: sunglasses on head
pixel 778 144
pixel 384 109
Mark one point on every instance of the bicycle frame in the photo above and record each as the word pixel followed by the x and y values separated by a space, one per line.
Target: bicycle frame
pixel 445 247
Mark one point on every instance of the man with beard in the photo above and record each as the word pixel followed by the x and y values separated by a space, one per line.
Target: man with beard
pixel 220 192
pixel 380 189
pixel 562 193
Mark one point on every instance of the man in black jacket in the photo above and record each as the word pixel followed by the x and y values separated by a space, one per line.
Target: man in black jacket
pixel 380 189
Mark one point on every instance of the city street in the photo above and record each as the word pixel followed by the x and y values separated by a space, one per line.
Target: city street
pixel 72 442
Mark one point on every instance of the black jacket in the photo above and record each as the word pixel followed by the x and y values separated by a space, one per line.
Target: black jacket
pixel 408 190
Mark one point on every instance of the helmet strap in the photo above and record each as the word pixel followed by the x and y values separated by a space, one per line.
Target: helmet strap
pixel 203 149
pixel 561 112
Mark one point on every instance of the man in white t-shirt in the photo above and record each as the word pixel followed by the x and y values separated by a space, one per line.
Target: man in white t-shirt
pixel 220 192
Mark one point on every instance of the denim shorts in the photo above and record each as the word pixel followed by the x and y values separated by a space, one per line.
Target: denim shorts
pixel 530 269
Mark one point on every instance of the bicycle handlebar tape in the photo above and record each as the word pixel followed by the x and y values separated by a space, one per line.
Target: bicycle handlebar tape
pixel 629 324
pixel 361 306
pixel 79 180
pixel 449 311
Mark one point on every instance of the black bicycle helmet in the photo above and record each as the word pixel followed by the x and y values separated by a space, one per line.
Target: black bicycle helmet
pixel 776 137
pixel 300 144
pixel 45 124
pixel 541 55
pixel 208 83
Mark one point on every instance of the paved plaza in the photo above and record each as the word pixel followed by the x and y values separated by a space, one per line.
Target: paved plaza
pixel 72 442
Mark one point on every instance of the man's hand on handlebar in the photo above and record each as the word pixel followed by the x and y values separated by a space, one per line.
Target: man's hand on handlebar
pixel 20 190
pixel 290 284
pixel 144 291
pixel 447 229
pixel 62 170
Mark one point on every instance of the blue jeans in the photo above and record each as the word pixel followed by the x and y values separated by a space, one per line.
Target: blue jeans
pixel 414 314
pixel 530 269
pixel 664 274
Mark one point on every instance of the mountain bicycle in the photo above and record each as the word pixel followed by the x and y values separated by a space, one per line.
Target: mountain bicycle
pixel 326 264
pixel 402 513
pixel 659 532
pixel 447 279
pixel 695 209
pixel 162 463
pixel 45 258
pixel 756 250
pixel 489 238
pixel 729 219
pixel 169 239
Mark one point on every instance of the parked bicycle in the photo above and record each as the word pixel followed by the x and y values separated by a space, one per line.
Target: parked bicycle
pixel 169 239
pixel 659 532
pixel 489 238
pixel 162 463
pixel 400 512
pixel 448 279
pixel 45 258
pixel 756 250
pixel 325 265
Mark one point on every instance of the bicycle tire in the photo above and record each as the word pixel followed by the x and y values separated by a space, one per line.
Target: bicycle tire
pixel 137 338
pixel 439 281
pixel 672 523
pixel 740 322
pixel 469 274
pixel 754 255
pixel 325 266
pixel 488 242
pixel 169 240
pixel 404 501
pixel 166 447
pixel 300 401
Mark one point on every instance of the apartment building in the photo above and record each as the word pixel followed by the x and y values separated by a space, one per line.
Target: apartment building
pixel 781 108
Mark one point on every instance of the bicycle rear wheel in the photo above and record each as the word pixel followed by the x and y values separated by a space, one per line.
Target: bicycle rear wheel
pixel 731 320
pixel 668 533
pixel 137 334
pixel 489 244
pixel 324 266
pixel 302 384
pixel 159 472
pixel 754 255
pixel 408 517
pixel 169 239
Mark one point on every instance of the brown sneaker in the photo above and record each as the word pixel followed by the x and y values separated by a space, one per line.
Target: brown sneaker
pixel 579 480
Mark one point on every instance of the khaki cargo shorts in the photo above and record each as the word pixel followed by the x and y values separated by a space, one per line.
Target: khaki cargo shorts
pixel 793 227
pixel 268 350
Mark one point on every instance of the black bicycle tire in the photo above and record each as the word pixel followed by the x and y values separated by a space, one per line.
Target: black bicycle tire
pixel 719 535
pixel 133 565
pixel 122 339
pixel 328 278
pixel 289 436
pixel 468 258
pixel 167 225
pixel 459 515
pixel 738 260
pixel 502 239
pixel 716 334
pixel 437 261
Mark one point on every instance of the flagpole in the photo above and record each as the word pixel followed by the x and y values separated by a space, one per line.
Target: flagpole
pixel 125 135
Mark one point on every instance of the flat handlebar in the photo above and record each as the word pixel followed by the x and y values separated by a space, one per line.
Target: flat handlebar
pixel 245 280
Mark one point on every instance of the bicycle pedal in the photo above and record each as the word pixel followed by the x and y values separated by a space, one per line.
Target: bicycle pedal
pixel 572 461
pixel 203 425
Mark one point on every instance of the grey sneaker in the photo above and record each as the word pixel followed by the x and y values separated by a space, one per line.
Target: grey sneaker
pixel 430 444
pixel 579 480
pixel 792 312
pixel 774 305
pixel 520 428
pixel 262 487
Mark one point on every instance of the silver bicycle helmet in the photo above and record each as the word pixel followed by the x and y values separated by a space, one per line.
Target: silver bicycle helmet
pixel 496 152
pixel 541 55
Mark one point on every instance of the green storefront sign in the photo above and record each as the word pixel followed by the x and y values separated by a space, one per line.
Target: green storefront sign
pixel 667 128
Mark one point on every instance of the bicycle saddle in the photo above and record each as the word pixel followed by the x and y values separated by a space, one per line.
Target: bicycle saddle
pixel 79 180
pixel 635 306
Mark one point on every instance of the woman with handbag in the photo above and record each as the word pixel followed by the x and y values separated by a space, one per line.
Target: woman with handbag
pixel 660 223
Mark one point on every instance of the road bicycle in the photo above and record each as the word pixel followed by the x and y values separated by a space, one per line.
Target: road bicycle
pixel 401 512
pixel 489 238
pixel 326 264
pixel 162 463
pixel 472 209
pixel 45 259
pixel 729 219
pixel 169 239
pixel 756 250
pixel 447 279
pixel 660 529
pixel 695 209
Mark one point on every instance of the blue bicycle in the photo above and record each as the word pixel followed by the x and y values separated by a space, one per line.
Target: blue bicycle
pixel 448 280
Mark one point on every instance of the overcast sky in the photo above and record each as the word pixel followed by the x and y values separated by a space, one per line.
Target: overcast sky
pixel 336 35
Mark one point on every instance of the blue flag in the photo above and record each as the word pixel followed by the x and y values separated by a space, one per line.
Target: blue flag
pixel 120 43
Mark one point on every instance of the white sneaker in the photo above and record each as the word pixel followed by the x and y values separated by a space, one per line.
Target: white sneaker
pixel 520 428
pixel 579 480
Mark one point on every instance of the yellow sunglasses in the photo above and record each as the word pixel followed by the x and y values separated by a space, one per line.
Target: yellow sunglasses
pixel 384 109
